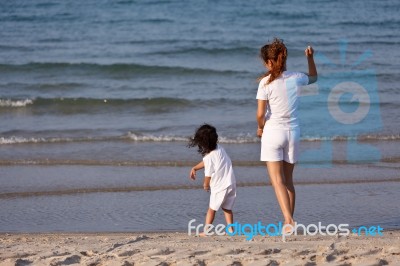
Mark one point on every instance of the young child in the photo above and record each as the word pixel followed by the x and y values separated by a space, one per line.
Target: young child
pixel 219 176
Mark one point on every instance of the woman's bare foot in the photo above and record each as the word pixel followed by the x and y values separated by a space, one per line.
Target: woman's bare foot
pixel 288 229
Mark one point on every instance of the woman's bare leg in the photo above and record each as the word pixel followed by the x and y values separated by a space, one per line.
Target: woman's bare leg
pixel 288 173
pixel 275 171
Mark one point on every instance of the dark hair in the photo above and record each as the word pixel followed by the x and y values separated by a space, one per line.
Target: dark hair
pixel 275 52
pixel 205 139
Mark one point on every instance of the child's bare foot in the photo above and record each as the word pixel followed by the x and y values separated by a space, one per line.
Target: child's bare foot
pixel 202 235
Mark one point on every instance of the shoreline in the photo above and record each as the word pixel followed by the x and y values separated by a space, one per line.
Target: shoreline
pixel 177 248
pixel 77 191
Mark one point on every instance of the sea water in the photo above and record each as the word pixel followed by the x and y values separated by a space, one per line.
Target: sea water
pixel 98 99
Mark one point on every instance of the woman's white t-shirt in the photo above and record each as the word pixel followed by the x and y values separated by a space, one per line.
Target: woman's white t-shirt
pixel 218 166
pixel 282 96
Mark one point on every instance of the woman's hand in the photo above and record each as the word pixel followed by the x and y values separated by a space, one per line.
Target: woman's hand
pixel 260 116
pixel 259 132
pixel 309 51
pixel 312 69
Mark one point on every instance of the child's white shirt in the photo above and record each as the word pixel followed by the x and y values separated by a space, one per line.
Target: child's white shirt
pixel 218 166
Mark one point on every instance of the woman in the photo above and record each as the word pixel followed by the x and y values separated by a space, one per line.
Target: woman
pixel 278 124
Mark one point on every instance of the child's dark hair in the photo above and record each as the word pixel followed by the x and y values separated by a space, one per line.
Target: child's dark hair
pixel 205 138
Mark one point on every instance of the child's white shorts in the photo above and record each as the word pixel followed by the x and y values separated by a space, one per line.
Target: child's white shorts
pixel 223 199
pixel 280 145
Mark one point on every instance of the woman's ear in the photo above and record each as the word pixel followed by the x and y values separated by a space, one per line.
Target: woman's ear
pixel 269 64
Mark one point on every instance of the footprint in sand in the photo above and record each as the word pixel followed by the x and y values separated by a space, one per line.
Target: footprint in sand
pixel 227 251
pixel 74 259
pixel 22 262
pixel 199 253
pixel 158 252
pixel 137 239
pixel 128 253
pixel 271 251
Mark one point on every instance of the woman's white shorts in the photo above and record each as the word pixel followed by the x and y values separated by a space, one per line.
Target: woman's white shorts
pixel 280 145
pixel 223 199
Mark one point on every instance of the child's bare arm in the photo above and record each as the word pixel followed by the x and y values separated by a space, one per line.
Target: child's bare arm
pixel 206 184
pixel 197 167
pixel 312 69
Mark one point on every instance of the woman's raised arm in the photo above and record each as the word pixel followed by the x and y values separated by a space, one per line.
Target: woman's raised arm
pixel 312 69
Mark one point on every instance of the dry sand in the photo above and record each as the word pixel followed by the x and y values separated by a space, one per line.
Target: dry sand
pixel 181 249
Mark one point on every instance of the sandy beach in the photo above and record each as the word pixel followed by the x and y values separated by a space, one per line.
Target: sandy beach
pixel 177 248
pixel 98 100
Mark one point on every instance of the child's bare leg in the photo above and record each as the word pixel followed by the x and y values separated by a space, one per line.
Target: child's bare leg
pixel 210 216
pixel 229 218
pixel 209 219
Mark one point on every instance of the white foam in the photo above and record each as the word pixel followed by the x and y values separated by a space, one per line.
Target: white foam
pixel 242 139
pixel 161 138
pixel 21 140
pixel 15 103
pixel 16 140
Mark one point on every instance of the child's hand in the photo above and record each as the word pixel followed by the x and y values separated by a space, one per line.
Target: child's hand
pixel 206 183
pixel 309 51
pixel 192 174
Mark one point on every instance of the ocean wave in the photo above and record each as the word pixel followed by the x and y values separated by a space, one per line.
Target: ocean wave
pixel 140 137
pixel 345 138
pixel 210 51
pixel 249 138
pixel 15 103
pixel 369 23
pixel 88 103
pixel 21 140
pixel 379 137
pixel 172 138
pixel 154 138
pixel 157 20
pixel 21 48
pixel 122 69
pixel 92 102
pixel 72 106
